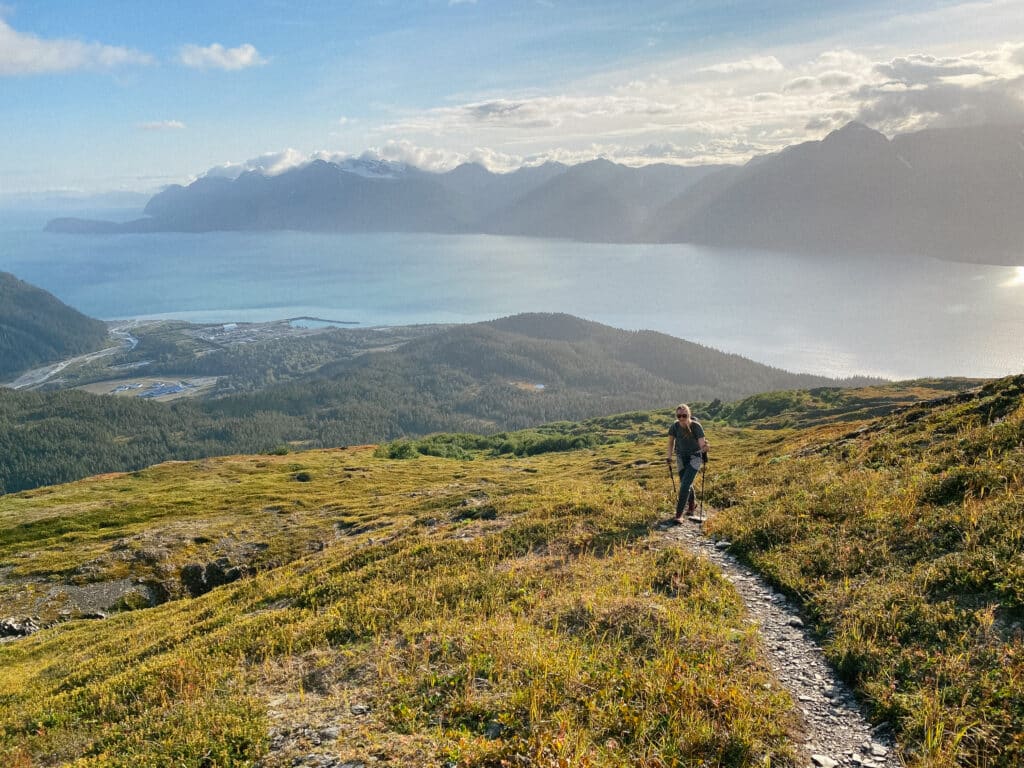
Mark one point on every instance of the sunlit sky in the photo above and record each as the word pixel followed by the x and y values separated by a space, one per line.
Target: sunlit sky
pixel 127 95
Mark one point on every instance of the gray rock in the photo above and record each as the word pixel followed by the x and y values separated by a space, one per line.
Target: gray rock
pixel 493 730
pixel 18 626
pixel 823 761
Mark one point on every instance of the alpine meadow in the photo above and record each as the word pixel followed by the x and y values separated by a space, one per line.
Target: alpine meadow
pixel 466 384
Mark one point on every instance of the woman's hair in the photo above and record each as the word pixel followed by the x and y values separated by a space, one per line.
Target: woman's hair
pixel 687 427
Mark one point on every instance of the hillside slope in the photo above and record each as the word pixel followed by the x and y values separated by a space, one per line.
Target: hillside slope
pixel 493 608
pixel 353 608
pixel 37 328
pixel 902 536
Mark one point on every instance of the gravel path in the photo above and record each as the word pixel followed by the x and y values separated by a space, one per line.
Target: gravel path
pixel 836 732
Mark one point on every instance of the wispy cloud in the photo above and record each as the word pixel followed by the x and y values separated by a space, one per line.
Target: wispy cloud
pixel 25 54
pixel 754 64
pixel 216 56
pixel 162 125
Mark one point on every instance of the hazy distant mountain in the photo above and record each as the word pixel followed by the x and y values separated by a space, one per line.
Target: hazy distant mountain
pixel 486 194
pixel 596 201
pixel 36 328
pixel 318 196
pixel 954 193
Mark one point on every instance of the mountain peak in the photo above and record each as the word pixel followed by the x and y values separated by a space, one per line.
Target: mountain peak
pixel 856 134
pixel 373 168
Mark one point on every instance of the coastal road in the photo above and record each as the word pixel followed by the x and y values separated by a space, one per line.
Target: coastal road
pixel 30 379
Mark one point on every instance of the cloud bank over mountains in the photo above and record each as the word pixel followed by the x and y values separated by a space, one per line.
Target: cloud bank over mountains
pixel 688 86
pixel 725 112
pixel 728 111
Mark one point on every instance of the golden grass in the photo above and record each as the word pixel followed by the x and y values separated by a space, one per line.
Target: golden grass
pixel 545 630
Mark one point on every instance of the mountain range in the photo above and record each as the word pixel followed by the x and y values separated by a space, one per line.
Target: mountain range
pixel 952 193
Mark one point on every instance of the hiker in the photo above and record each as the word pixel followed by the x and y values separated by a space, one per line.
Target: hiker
pixel 686 439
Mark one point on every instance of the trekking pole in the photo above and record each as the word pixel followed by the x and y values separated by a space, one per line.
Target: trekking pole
pixel 703 475
pixel 672 475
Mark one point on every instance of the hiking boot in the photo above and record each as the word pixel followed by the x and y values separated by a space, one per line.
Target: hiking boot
pixel 691 505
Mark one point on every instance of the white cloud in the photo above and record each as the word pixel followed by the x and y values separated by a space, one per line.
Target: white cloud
pixel 922 90
pixel 754 64
pixel 162 125
pixel 269 163
pixel 392 152
pixel 427 158
pixel 23 54
pixel 836 79
pixel 804 83
pixel 216 56
pixel 918 68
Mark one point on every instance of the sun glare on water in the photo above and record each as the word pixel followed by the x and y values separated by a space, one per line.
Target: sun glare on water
pixel 1016 279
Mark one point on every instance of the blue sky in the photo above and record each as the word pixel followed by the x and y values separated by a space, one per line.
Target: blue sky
pixel 128 95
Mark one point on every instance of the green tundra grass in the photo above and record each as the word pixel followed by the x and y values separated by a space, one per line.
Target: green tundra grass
pixel 506 601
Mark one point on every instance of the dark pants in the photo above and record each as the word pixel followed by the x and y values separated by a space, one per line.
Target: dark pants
pixel 686 477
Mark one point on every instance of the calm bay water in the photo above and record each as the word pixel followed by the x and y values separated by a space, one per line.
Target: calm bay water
pixel 896 317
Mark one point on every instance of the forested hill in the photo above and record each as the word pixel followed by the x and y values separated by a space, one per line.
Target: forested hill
pixel 705 373
pixel 37 328
pixel 514 373
pixel 490 377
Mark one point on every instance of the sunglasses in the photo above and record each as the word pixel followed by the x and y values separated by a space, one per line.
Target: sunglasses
pixel 682 415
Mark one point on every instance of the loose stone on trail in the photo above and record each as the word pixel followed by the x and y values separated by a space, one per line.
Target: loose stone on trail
pixel 837 735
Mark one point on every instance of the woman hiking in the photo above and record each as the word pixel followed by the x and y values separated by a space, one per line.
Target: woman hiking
pixel 686 439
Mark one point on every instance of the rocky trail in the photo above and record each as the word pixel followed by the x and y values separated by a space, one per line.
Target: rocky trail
pixel 836 733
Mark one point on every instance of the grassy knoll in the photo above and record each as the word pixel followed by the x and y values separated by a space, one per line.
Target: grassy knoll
pixel 480 611
pixel 903 537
